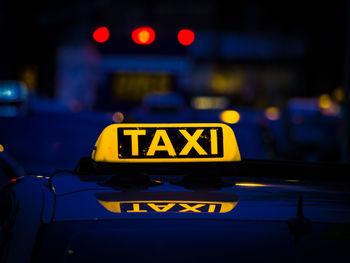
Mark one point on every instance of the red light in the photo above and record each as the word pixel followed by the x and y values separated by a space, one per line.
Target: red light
pixel 101 34
pixel 185 37
pixel 143 35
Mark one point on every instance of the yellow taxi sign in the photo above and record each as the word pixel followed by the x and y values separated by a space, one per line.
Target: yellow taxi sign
pixel 155 143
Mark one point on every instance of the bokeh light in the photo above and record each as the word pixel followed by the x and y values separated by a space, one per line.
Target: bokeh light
pixel 205 103
pixel 251 185
pixel 101 34
pixel 230 116
pixel 143 35
pixel 118 117
pixel 324 101
pixel 338 94
pixel 272 113
pixel 185 37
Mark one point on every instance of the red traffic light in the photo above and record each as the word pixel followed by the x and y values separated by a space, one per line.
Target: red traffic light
pixel 143 35
pixel 185 37
pixel 101 34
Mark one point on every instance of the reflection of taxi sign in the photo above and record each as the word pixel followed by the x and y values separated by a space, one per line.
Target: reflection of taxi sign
pixel 168 207
pixel 167 202
pixel 143 143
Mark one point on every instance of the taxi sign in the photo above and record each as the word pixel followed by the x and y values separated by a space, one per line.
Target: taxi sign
pixel 155 143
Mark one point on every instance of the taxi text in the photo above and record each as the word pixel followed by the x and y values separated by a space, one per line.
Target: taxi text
pixel 170 142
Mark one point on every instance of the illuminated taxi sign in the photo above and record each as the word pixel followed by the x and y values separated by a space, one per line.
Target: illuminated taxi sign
pixel 143 143
pixel 167 206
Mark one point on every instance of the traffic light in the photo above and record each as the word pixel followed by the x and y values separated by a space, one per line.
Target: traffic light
pixel 101 34
pixel 185 37
pixel 143 35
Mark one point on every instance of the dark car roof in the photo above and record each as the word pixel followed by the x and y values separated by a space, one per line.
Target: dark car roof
pixel 250 199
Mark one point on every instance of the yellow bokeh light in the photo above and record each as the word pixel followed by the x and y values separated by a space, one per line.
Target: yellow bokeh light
pixel 230 116
pixel 204 103
pixel 1 148
pixel 324 101
pixel 272 113
pixel 251 185
pixel 293 181
pixel 338 94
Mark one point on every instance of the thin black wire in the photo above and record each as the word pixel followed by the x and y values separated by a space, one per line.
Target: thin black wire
pixel 50 186
pixel 57 172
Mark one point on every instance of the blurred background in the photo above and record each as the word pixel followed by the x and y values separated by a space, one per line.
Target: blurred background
pixel 276 72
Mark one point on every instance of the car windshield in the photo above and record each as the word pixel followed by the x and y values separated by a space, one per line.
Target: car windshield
pixel 277 73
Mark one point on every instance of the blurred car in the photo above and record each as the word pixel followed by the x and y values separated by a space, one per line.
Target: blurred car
pixel 10 172
pixel 159 107
pixel 305 131
pixel 131 201
pixel 54 131
pixel 13 99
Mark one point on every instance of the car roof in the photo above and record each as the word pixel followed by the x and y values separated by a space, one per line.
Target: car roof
pixel 250 199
